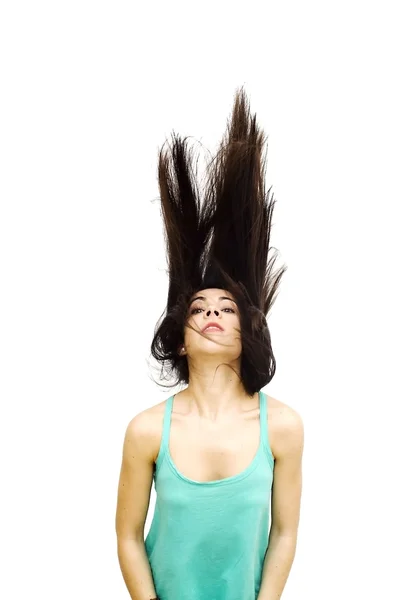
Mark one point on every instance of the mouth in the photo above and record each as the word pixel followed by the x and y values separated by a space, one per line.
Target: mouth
pixel 213 328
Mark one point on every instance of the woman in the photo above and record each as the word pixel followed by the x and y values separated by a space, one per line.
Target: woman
pixel 223 454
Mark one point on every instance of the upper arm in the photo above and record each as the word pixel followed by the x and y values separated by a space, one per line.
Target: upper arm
pixel 287 480
pixel 135 481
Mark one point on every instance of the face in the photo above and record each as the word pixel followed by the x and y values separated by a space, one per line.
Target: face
pixel 213 306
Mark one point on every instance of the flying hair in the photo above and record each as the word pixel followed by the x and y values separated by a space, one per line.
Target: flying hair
pixel 219 238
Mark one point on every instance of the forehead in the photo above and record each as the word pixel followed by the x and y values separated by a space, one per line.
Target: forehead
pixel 212 294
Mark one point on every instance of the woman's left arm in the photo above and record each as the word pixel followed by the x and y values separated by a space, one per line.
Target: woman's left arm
pixel 286 501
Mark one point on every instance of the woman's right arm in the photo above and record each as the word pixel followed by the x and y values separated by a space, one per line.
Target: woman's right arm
pixel 134 489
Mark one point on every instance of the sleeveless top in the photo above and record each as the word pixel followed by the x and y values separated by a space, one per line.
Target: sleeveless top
pixel 208 540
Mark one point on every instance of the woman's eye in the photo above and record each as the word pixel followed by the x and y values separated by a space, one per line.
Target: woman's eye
pixel 194 310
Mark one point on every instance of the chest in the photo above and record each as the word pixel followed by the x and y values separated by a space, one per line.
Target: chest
pixel 214 451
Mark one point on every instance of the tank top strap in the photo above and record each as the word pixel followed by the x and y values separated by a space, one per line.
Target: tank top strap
pixel 166 429
pixel 264 432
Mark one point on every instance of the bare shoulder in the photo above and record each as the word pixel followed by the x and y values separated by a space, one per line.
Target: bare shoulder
pixel 147 427
pixel 286 428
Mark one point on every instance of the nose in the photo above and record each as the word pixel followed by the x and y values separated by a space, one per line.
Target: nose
pixel 216 312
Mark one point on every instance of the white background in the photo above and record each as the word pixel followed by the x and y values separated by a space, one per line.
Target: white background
pixel 89 92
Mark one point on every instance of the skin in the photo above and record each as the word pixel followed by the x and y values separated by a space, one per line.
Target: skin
pixel 213 398
pixel 214 391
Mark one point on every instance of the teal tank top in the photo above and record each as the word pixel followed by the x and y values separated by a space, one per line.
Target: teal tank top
pixel 208 540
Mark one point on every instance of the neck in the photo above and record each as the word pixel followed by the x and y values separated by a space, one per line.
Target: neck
pixel 215 393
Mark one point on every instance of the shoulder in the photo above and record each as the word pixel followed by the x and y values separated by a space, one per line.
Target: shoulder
pixel 286 428
pixel 146 428
pixel 148 417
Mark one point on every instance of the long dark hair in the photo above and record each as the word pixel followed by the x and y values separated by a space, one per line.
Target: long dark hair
pixel 219 239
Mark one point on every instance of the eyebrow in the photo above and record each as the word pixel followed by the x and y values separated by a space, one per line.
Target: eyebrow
pixel 204 298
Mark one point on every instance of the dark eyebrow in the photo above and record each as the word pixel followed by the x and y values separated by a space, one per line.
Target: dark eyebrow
pixel 221 298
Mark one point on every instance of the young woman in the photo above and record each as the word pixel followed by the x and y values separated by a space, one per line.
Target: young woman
pixel 225 457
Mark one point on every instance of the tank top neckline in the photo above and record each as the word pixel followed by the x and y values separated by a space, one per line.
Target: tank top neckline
pixel 263 444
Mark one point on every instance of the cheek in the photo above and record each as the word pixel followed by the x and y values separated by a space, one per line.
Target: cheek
pixel 189 333
pixel 236 323
pixel 195 321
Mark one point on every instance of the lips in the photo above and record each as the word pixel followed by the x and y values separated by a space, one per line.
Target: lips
pixel 211 325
